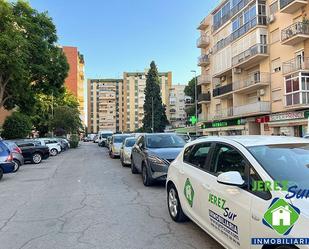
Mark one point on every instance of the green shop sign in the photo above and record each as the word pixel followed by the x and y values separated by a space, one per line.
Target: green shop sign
pixel 226 123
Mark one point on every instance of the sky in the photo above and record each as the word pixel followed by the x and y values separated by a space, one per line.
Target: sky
pixel 126 35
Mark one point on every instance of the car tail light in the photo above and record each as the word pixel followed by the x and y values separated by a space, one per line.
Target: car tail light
pixel 10 158
pixel 17 150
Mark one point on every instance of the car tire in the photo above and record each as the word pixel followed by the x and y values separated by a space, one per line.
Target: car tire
pixel 122 162
pixel 285 247
pixel 36 158
pixel 1 173
pixel 53 152
pixel 174 205
pixel 133 168
pixel 111 155
pixel 17 164
pixel 146 178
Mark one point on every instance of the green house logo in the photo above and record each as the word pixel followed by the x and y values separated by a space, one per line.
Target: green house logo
pixel 189 192
pixel 281 216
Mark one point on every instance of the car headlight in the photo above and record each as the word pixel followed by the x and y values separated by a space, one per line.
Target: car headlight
pixel 158 161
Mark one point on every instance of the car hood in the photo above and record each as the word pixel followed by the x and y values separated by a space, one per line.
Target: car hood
pixel 165 153
pixel 117 146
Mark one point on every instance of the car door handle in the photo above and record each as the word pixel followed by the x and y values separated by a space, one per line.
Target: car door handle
pixel 206 186
pixel 181 172
pixel 255 217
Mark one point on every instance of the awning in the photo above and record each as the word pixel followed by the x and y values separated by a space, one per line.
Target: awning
pixel 288 123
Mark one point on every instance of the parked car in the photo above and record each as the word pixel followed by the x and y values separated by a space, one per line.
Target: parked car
pixel 16 152
pixel 185 137
pixel 96 139
pixel 6 160
pixel 33 151
pixel 241 181
pixel 108 143
pixel 103 135
pixel 52 143
pixel 153 153
pixel 116 142
pixel 126 150
pixel 64 143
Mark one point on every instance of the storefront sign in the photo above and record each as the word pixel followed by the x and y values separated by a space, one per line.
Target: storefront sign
pixel 226 123
pixel 287 116
pixel 264 119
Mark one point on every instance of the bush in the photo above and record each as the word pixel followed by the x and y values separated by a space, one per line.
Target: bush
pixel 74 141
pixel 16 126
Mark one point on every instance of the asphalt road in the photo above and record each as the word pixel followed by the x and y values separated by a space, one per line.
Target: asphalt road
pixel 83 199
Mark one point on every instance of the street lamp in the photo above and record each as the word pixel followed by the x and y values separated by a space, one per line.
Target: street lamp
pixel 195 95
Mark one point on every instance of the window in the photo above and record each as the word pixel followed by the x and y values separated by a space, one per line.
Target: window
pixel 276 65
pixel 197 154
pixel 292 90
pixel 273 8
pixel 274 36
pixel 227 159
pixel 254 177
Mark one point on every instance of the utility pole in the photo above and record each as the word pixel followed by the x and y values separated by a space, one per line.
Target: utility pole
pixel 195 96
pixel 152 118
pixel 52 107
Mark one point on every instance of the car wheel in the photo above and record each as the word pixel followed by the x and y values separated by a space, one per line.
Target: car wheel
pixel 1 173
pixel 111 154
pixel 54 152
pixel 133 168
pixel 16 165
pixel 174 206
pixel 122 162
pixel 146 178
pixel 36 158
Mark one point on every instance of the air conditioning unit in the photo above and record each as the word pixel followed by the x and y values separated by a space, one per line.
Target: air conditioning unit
pixel 223 78
pixel 237 70
pixel 261 92
pixel 271 18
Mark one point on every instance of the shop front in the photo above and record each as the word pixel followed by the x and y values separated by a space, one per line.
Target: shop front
pixel 289 123
pixel 224 128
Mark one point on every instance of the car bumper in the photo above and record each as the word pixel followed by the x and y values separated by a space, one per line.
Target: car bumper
pixel 7 167
pixel 126 158
pixel 158 172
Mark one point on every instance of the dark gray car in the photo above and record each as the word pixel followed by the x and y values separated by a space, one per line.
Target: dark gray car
pixel 153 153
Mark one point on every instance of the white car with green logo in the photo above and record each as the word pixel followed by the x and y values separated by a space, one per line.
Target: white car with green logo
pixel 245 191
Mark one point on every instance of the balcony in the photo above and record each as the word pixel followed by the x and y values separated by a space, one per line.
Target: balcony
pixel 251 83
pixel 222 21
pixel 172 111
pixel 294 65
pixel 204 98
pixel 295 33
pixel 251 56
pixel 203 60
pixel 203 41
pixel 223 91
pixel 203 25
pixel 252 109
pixel 291 6
pixel 221 114
pixel 203 79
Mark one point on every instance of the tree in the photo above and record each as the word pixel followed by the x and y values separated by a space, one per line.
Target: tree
pixel 30 60
pixel 153 99
pixel 190 89
pixel 66 120
pixel 17 125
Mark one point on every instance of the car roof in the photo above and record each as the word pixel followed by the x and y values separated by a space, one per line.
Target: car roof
pixel 254 140
pixel 122 135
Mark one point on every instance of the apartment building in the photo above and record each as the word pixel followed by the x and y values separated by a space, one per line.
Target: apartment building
pixel 104 105
pixel 255 68
pixel 134 84
pixel 76 76
pixel 178 102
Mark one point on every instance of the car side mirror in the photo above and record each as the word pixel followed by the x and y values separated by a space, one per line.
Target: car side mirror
pixel 232 178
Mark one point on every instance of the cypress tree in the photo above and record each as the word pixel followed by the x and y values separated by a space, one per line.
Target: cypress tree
pixel 153 96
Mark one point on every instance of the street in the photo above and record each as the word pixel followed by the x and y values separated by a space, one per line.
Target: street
pixel 83 199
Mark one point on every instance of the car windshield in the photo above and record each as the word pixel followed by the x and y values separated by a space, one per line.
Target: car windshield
pixel 119 139
pixel 285 162
pixel 106 135
pixel 130 142
pixel 165 141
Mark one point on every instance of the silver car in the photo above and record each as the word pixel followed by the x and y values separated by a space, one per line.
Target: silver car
pixel 116 143
pixel 125 151
pixel 18 158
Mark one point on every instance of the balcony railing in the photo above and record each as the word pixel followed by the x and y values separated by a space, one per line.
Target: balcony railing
pixel 239 7
pixel 295 64
pixel 203 60
pixel 204 97
pixel 251 80
pixel 220 114
pixel 249 53
pixel 253 108
pixel 222 21
pixel 203 41
pixel 222 90
pixel 258 20
pixel 203 79
pixel 298 28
